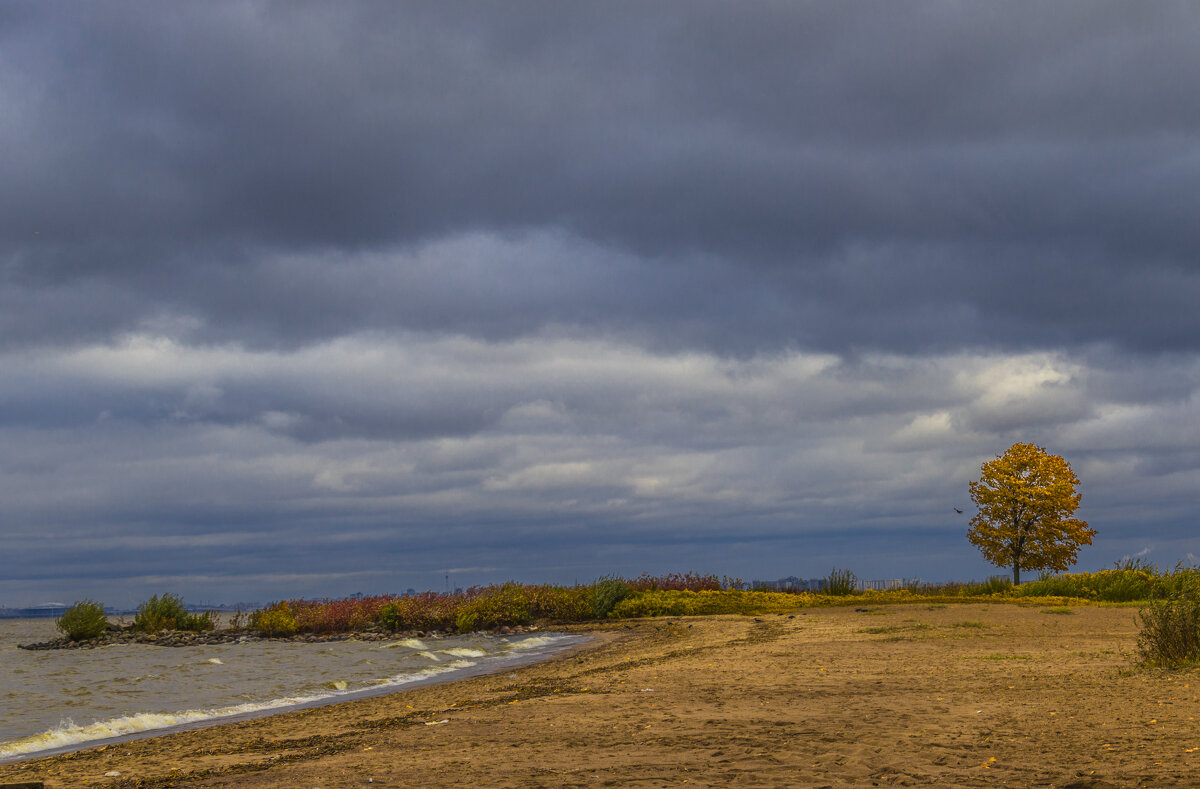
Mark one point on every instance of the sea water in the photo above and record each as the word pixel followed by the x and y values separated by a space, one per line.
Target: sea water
pixel 57 700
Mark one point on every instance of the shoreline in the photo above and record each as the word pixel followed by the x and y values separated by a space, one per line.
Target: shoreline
pixel 963 695
pixel 186 638
pixel 562 643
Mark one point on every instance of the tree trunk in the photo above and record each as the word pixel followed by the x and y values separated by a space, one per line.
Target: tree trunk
pixel 1016 574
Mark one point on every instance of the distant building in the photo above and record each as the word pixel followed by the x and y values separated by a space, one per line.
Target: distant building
pixel 791 584
pixel 34 611
pixel 880 585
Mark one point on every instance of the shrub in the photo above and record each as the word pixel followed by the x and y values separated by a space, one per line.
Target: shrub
pixel 687 603
pixel 559 603
pixel 391 617
pixel 1177 582
pixel 197 623
pixel 1170 634
pixel 495 606
pixel 840 582
pixel 1066 585
pixel 997 584
pixel 167 613
pixel 675 582
pixel 274 620
pixel 1120 586
pixel 428 611
pixel 465 622
pixel 347 615
pixel 1114 586
pixel 606 593
pixel 83 620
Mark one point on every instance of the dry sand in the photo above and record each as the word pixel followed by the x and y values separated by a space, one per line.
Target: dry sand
pixel 962 695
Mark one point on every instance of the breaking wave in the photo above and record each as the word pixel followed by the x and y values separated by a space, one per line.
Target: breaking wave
pixel 69 733
pixel 124 689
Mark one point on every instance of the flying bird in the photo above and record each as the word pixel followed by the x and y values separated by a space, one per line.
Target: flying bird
pixel 956 509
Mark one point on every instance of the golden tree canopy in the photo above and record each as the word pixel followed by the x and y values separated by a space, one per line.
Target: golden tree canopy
pixel 1026 498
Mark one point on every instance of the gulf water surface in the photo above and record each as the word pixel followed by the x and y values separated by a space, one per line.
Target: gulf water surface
pixel 61 699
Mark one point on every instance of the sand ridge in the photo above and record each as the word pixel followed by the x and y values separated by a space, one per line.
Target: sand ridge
pixel 902 695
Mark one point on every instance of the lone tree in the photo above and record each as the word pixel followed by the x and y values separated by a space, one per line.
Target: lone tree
pixel 1026 498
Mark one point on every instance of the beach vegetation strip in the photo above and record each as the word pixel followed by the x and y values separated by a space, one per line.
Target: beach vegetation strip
pixel 1164 594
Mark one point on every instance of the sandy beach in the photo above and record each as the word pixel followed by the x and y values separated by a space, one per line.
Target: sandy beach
pixel 905 695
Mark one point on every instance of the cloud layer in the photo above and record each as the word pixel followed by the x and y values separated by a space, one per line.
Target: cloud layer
pixel 295 298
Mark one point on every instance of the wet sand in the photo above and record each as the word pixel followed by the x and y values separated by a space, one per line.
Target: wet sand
pixel 915 695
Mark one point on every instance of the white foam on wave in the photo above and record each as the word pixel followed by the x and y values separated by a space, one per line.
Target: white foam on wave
pixel 532 642
pixel 69 733
pixel 432 671
pixel 215 661
pixel 411 643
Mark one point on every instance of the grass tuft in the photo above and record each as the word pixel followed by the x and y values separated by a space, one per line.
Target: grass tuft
pixel 840 583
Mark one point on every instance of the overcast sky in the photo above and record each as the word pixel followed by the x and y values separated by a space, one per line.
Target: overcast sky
pixel 317 298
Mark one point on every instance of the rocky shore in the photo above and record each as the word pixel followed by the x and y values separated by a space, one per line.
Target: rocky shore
pixel 180 638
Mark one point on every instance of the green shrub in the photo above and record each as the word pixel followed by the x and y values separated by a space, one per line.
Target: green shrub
pixel 606 593
pixel 274 620
pixel 1119 585
pixel 1170 634
pixel 466 621
pixel 1048 585
pixel 840 582
pixel 83 620
pixel 495 606
pixel 391 617
pixel 167 613
pixel 1176 582
pixel 198 623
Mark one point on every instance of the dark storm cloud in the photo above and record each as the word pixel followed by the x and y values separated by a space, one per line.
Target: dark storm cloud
pixel 296 297
pixel 871 175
